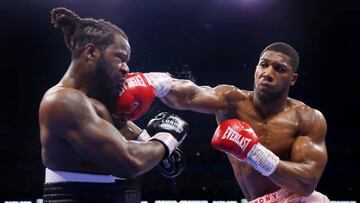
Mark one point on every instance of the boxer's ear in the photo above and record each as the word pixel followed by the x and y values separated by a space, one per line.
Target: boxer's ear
pixel 91 52
pixel 294 78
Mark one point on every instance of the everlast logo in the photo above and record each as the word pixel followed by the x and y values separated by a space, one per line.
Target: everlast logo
pixel 234 136
pixel 135 81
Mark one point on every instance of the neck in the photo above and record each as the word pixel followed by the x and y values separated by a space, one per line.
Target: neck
pixel 80 76
pixel 270 108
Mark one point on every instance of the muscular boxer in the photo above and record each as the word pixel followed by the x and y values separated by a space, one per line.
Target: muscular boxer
pixel 87 158
pixel 275 144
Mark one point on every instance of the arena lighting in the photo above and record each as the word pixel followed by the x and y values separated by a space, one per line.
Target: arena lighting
pixel 248 6
pixel 247 2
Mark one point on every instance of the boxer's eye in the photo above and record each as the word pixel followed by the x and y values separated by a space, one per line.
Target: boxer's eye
pixel 119 58
pixel 123 56
pixel 263 65
pixel 279 67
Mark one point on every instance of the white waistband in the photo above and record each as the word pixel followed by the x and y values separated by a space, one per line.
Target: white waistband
pixel 272 197
pixel 55 176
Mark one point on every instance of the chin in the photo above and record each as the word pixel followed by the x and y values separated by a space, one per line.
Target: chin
pixel 265 97
pixel 114 92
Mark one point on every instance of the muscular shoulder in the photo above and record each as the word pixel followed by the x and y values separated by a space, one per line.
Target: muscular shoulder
pixel 63 105
pixel 230 93
pixel 310 121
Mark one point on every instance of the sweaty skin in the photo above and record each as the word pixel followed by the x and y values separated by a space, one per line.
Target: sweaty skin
pixel 77 131
pixel 292 130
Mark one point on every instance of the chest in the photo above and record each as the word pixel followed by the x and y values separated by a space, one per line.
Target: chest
pixel 277 132
pixel 101 110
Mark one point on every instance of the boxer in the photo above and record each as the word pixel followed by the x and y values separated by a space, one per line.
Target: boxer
pixel 90 155
pixel 283 153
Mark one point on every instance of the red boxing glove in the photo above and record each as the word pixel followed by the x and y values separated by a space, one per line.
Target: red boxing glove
pixel 234 137
pixel 161 81
pixel 237 138
pixel 136 98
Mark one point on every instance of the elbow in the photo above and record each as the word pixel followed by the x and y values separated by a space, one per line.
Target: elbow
pixel 306 191
pixel 134 167
pixel 128 166
pixel 137 169
pixel 308 188
pixel 128 174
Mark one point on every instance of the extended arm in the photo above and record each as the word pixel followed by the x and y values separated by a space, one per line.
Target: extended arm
pixel 185 95
pixel 180 94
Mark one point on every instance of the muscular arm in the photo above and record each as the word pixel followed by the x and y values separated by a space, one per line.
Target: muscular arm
pixel 130 130
pixel 302 172
pixel 186 95
pixel 95 138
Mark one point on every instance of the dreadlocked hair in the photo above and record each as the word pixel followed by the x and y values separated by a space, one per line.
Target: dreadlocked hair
pixel 80 31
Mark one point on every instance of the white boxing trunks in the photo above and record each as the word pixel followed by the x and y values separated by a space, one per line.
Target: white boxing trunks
pixel 74 187
pixel 284 196
pixel 55 176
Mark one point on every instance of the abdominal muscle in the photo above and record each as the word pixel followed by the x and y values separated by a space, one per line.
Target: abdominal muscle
pixel 251 182
pixel 59 155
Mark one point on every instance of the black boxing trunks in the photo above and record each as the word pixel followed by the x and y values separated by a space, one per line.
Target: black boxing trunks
pixel 73 187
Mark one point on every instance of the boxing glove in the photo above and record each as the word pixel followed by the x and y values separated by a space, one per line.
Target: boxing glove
pixel 171 166
pixel 136 97
pixel 238 139
pixel 161 82
pixel 169 123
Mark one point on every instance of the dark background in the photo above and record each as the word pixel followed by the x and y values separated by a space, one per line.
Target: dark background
pixel 209 41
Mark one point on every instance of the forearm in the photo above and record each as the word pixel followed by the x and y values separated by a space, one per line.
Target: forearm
pixel 105 146
pixel 180 94
pixel 130 131
pixel 175 93
pixel 132 159
pixel 143 158
pixel 302 172
pixel 186 95
pixel 296 177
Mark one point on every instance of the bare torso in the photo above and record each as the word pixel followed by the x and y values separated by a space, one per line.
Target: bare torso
pixel 276 132
pixel 57 153
pixel 290 129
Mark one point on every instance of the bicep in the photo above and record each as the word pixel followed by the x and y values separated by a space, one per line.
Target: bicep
pixel 309 148
pixel 96 139
pixel 310 153
pixel 72 117
pixel 100 142
pixel 99 136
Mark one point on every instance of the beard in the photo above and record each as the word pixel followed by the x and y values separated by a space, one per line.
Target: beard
pixel 106 90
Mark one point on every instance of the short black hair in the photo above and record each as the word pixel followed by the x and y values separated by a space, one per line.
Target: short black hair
pixel 80 31
pixel 285 49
